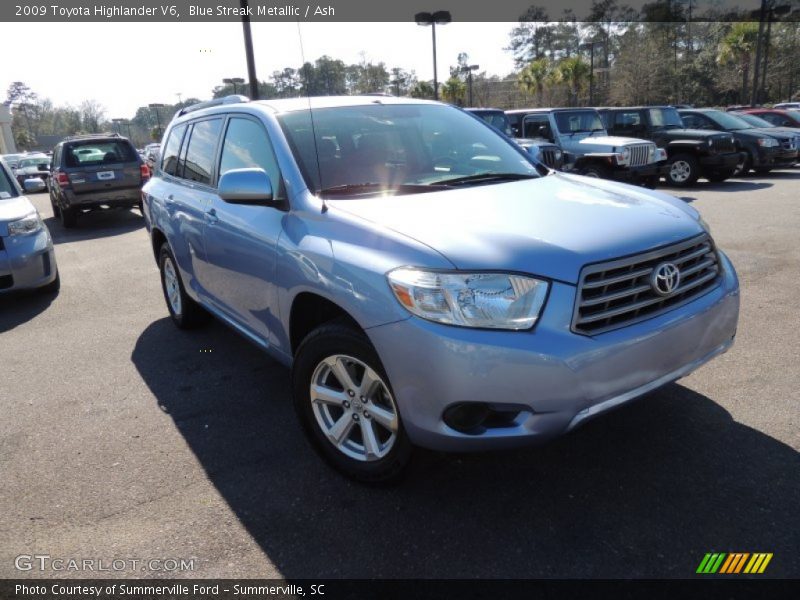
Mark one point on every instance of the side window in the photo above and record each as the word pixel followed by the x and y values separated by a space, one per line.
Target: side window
pixel 629 121
pixel 200 153
pixel 247 146
pixel 537 126
pixel 169 158
pixel 692 121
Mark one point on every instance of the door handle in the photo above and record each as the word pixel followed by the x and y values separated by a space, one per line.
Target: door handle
pixel 211 216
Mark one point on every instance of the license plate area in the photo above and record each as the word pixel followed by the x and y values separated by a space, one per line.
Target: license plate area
pixel 105 175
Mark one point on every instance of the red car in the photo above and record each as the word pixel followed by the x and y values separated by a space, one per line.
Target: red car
pixel 776 116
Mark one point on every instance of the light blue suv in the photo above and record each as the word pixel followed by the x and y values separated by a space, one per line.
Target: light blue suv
pixel 427 282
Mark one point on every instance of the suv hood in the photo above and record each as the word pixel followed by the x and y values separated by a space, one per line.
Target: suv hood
pixel 551 226
pixel 611 140
pixel 692 134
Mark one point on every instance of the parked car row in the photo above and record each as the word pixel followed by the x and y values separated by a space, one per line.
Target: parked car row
pixel 642 144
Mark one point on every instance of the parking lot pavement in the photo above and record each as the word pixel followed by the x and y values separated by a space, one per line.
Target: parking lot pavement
pixel 122 437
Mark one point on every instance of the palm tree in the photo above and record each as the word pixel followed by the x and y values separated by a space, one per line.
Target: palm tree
pixel 573 72
pixel 738 46
pixel 532 78
pixel 453 91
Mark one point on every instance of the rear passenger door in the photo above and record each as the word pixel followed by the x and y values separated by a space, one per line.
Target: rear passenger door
pixel 187 199
pixel 241 239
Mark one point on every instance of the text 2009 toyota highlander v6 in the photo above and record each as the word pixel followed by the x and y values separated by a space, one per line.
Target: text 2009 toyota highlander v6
pixel 426 280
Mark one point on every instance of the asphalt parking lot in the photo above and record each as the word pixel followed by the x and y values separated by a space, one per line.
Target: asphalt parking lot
pixel 122 437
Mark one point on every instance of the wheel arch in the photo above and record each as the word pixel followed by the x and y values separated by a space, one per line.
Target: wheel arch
pixel 309 310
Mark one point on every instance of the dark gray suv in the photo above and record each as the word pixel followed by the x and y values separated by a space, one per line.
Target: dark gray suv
pixel 95 171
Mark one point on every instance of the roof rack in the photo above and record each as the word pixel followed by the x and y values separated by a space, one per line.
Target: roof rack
pixel 91 135
pixel 232 99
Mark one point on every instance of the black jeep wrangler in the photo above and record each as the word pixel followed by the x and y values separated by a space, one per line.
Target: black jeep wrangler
pixel 691 153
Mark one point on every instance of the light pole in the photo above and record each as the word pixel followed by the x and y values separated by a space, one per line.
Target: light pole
pixel 440 17
pixel 155 106
pixel 248 49
pixel 120 121
pixel 233 81
pixel 180 97
pixel 468 70
pixel 590 46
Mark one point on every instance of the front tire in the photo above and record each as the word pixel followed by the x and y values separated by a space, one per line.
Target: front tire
pixel 345 404
pixel 184 311
pixel 594 170
pixel 683 170
pixel 744 166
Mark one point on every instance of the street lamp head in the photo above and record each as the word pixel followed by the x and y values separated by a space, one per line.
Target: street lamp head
pixel 440 17
pixel 156 105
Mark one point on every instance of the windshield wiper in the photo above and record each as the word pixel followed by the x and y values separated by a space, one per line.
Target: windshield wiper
pixel 372 188
pixel 485 178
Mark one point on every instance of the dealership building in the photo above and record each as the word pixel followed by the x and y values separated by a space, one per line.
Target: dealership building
pixel 6 138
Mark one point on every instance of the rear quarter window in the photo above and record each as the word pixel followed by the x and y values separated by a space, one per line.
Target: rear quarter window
pixel 169 158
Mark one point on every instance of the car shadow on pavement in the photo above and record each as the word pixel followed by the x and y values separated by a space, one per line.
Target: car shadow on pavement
pixel 20 307
pixel 729 185
pixel 96 224
pixel 643 492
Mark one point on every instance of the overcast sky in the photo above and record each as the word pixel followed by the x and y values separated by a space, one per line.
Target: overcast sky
pixel 127 65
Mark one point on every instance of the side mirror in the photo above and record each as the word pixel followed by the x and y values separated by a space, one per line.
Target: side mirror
pixel 33 186
pixel 245 186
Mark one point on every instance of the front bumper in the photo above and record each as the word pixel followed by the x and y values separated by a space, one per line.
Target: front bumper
pixel 722 162
pixel 785 157
pixel 640 174
pixel 555 379
pixel 27 262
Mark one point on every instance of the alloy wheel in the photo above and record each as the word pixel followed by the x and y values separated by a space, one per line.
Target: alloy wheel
pixel 354 408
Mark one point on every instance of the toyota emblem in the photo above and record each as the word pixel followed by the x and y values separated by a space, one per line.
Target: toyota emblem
pixel 665 279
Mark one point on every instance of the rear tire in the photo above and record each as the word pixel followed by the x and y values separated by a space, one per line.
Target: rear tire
pixel 69 217
pixel 683 170
pixel 340 362
pixel 185 312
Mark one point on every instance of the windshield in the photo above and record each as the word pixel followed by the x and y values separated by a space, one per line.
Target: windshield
pixel 755 121
pixel 7 189
pixel 727 121
pixel 397 148
pixel 579 121
pixel 665 117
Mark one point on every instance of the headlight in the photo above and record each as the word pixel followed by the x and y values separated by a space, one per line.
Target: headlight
pixel 767 142
pixel 661 155
pixel 558 154
pixel 651 154
pixel 489 300
pixel 26 225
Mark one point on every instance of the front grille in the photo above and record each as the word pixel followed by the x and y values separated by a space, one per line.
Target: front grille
pixel 619 293
pixel 548 155
pixel 639 154
pixel 723 143
pixel 6 281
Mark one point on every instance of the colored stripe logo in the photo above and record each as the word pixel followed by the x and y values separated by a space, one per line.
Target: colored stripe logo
pixel 734 563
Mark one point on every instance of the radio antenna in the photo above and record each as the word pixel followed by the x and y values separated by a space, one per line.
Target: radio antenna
pixel 311 115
